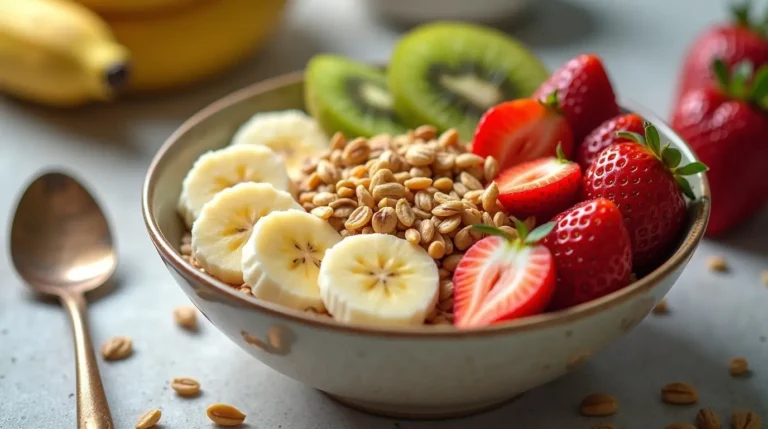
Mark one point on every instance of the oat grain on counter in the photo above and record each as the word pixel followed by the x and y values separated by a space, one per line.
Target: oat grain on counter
pixel 225 415
pixel 679 394
pixel 117 348
pixel 738 366
pixel 744 419
pixel 717 263
pixel 149 419
pixel 185 386
pixel 661 307
pixel 708 419
pixel 186 316
pixel 598 404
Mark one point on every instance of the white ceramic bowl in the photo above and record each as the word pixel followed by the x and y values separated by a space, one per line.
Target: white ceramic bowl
pixel 419 372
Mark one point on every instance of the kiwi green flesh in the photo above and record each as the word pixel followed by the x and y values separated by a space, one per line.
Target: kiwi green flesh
pixel 449 74
pixel 349 97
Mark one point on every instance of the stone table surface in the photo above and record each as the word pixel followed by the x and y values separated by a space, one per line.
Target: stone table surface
pixel 713 316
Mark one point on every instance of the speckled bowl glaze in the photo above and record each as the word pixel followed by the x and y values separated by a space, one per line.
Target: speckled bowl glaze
pixel 423 372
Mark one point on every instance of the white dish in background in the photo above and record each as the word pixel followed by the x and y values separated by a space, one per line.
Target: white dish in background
pixel 418 11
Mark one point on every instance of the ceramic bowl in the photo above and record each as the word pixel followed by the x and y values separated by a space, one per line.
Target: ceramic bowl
pixel 413 12
pixel 421 372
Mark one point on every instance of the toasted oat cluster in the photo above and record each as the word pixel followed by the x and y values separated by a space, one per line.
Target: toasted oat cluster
pixel 426 188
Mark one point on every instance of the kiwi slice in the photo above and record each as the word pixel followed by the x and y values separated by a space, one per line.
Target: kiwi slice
pixel 448 74
pixel 350 97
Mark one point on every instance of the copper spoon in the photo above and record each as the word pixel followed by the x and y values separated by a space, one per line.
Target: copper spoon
pixel 61 246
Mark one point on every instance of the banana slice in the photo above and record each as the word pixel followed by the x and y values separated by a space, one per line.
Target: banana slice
pixel 226 222
pixel 378 279
pixel 281 260
pixel 217 170
pixel 291 133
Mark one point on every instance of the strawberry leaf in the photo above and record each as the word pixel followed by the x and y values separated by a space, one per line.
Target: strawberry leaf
pixel 692 168
pixel 560 154
pixel 685 187
pixel 740 13
pixel 739 87
pixel 670 156
pixel 722 74
pixel 492 230
pixel 522 229
pixel 539 233
pixel 653 139
pixel 760 84
pixel 632 136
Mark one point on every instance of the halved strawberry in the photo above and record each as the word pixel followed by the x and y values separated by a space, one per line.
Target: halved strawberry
pixel 607 135
pixel 540 188
pixel 522 130
pixel 592 251
pixel 503 278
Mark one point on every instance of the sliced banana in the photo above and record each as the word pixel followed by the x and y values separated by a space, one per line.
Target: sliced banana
pixel 281 260
pixel 226 222
pixel 378 279
pixel 291 133
pixel 217 170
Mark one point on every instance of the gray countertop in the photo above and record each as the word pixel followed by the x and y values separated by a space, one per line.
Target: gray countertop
pixel 713 316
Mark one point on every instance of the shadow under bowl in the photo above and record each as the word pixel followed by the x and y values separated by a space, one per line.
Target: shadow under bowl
pixel 419 372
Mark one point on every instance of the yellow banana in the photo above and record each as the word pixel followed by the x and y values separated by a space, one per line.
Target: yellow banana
pixel 117 7
pixel 175 46
pixel 59 53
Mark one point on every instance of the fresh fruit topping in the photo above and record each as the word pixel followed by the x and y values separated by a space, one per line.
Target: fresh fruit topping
pixel 503 278
pixel 647 183
pixel 290 133
pixel 225 224
pixel 447 74
pixel 281 261
pixel 378 279
pixel 540 188
pixel 605 135
pixel 585 93
pixel 592 251
pixel 349 97
pixel 742 39
pixel 522 130
pixel 217 170
pixel 727 129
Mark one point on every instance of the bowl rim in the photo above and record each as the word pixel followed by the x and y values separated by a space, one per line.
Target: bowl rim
pixel 562 317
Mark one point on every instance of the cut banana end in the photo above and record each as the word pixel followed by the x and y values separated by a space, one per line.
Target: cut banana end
pixel 218 170
pixel 291 133
pixel 226 222
pixel 281 260
pixel 378 279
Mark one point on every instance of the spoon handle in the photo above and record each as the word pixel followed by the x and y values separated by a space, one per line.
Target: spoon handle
pixel 92 407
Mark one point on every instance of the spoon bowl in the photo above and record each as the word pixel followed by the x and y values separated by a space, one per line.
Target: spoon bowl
pixel 60 238
pixel 61 245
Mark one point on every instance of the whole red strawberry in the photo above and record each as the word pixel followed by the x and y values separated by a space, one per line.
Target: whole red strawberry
pixel 605 135
pixel 592 252
pixel 646 183
pixel 584 93
pixel 733 42
pixel 727 127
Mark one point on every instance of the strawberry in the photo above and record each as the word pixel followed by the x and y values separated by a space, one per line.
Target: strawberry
pixel 502 278
pixel 592 251
pixel 732 43
pixel 584 92
pixel 647 184
pixel 522 130
pixel 540 188
pixel 605 135
pixel 727 128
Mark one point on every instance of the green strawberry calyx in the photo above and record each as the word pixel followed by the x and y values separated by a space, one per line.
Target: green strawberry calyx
pixel 743 17
pixel 669 156
pixel 524 237
pixel 552 102
pixel 743 82
pixel 561 158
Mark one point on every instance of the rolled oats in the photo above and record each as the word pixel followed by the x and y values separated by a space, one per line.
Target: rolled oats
pixel 708 419
pixel 185 386
pixel 413 236
pixel 744 419
pixel 598 404
pixel 738 366
pixel 359 218
pixel 436 249
pixel 149 419
pixel 185 316
pixel 385 220
pixel 117 348
pixel 490 168
pixel 679 394
pixel 225 415
pixel 324 212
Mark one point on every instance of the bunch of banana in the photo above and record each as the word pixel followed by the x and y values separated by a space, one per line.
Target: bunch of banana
pixel 70 52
